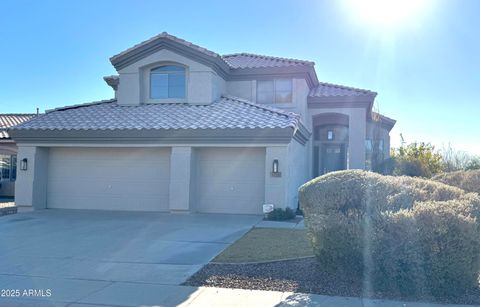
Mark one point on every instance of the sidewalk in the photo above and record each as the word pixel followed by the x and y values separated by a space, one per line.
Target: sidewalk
pixel 219 297
pixel 139 294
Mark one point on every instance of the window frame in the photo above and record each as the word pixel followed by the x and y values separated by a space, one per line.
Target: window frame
pixel 149 71
pixel 10 168
pixel 274 81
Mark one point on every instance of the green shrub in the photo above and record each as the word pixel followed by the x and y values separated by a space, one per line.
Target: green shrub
pixel 405 235
pixel 465 180
pixel 279 214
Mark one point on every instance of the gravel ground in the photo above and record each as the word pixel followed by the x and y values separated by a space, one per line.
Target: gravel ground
pixel 300 275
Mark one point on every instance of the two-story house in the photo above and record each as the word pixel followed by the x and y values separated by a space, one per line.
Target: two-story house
pixel 192 130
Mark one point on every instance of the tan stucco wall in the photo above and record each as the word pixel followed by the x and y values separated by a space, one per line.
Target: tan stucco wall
pixel 203 84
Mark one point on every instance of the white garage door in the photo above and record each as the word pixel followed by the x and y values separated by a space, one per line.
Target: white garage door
pixel 230 180
pixel 109 178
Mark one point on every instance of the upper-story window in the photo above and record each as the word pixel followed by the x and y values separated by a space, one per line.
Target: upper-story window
pixel 274 91
pixel 167 82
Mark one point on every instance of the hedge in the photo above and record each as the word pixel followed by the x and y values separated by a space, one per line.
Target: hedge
pixel 408 236
pixel 465 180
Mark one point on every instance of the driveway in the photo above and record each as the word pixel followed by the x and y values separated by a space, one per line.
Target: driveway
pixel 110 258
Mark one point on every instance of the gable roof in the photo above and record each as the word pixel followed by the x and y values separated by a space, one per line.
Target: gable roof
pixel 230 67
pixel 10 120
pixel 225 114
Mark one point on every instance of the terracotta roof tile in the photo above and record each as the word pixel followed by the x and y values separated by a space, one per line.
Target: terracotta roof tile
pixel 10 120
pixel 227 112
pixel 249 60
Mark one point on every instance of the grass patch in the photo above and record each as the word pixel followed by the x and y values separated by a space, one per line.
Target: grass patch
pixel 267 244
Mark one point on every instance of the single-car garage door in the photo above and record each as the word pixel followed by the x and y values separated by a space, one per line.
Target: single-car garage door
pixel 230 180
pixel 109 178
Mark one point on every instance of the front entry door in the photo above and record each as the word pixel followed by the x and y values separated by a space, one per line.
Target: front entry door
pixel 333 158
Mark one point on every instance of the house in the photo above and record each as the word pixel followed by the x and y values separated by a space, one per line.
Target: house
pixel 190 130
pixel 8 153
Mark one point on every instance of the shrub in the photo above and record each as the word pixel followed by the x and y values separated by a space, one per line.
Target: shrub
pixel 401 234
pixel 280 214
pixel 416 159
pixel 465 180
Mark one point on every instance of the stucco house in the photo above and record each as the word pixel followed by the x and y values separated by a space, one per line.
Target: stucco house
pixel 190 130
pixel 8 152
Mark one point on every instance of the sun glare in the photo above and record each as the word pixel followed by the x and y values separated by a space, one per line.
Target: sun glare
pixel 386 13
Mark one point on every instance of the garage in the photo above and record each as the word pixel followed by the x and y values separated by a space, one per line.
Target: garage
pixel 230 180
pixel 108 178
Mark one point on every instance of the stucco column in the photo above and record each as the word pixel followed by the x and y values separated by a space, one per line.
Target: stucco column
pixel 276 187
pixel 180 178
pixel 31 184
pixel 357 129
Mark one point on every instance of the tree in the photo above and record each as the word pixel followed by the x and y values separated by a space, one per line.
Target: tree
pixel 473 164
pixel 417 159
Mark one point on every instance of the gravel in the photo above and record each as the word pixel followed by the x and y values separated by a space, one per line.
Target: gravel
pixel 299 275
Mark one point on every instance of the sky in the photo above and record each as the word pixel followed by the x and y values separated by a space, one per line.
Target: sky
pixel 422 60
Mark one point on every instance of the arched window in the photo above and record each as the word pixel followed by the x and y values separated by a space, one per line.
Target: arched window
pixel 167 82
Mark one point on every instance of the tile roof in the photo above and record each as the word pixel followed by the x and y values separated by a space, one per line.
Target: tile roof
pixel 10 120
pixel 249 60
pixel 165 35
pixel 227 112
pixel 329 90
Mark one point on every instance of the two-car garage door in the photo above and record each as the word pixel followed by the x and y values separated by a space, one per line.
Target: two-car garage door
pixel 109 178
pixel 225 180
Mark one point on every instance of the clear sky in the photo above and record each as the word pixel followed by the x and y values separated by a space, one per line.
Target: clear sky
pixel 425 65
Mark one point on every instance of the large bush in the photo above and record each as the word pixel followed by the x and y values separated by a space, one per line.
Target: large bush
pixel 404 235
pixel 465 180
pixel 416 159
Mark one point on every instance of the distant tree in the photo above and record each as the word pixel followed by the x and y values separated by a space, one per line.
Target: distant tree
pixel 454 160
pixel 473 164
pixel 417 159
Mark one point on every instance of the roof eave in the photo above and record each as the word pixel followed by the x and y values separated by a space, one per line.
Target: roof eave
pixel 156 136
pixel 365 101
pixel 306 72
pixel 131 56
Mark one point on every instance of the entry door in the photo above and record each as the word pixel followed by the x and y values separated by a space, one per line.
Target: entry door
pixel 333 158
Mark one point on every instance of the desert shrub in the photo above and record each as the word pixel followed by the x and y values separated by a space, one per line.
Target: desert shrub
pixel 279 214
pixel 405 235
pixel 417 159
pixel 465 180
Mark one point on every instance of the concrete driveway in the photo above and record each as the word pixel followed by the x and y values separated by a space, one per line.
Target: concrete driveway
pixel 111 258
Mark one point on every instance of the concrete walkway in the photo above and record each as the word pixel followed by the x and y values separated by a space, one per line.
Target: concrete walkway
pixel 135 294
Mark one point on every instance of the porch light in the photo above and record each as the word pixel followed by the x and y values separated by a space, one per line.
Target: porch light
pixel 275 166
pixel 24 164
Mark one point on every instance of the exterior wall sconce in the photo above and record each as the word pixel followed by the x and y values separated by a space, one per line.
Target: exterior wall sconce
pixel 275 172
pixel 24 164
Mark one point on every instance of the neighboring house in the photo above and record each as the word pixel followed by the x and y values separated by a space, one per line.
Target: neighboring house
pixel 191 130
pixel 8 153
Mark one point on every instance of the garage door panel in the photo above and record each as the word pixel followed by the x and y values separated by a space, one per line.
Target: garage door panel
pixel 230 180
pixel 113 188
pixel 96 202
pixel 110 179
pixel 233 189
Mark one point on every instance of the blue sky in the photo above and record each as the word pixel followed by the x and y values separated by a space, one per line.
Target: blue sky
pixel 426 69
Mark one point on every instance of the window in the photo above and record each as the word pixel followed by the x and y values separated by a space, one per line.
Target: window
pixel 8 167
pixel 330 135
pixel 274 91
pixel 167 82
